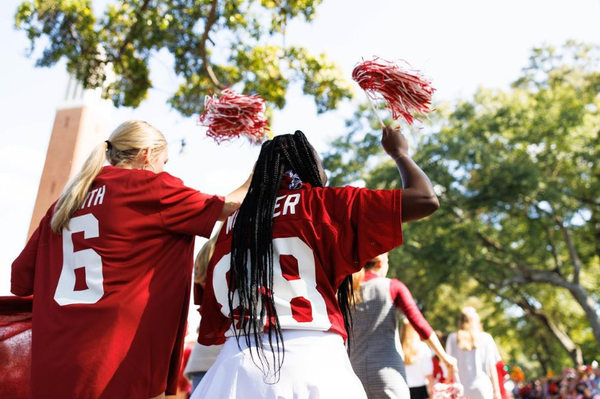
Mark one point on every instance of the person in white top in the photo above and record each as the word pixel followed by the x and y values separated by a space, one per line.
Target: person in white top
pixel 418 363
pixel 477 356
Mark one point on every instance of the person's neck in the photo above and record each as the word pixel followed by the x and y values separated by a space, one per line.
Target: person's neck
pixel 374 271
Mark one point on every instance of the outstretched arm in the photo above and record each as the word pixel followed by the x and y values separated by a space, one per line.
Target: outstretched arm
pixel 234 199
pixel 404 301
pixel 436 346
pixel 418 197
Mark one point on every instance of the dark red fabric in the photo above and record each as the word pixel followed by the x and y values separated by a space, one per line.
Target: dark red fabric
pixel 15 347
pixel 184 385
pixel 404 301
pixel 129 343
pixel 438 372
pixel 337 230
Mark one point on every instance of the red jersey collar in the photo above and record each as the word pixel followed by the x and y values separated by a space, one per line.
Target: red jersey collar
pixel 370 276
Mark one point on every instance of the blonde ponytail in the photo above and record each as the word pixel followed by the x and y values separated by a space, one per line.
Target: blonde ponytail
pixel 203 258
pixel 75 193
pixel 410 343
pixel 357 279
pixel 121 149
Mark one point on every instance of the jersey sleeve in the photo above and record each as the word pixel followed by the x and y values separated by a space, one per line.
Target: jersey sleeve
pixel 370 221
pixel 187 211
pixel 23 268
pixel 404 301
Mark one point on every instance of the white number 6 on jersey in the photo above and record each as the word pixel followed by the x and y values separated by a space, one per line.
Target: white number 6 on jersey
pixel 87 258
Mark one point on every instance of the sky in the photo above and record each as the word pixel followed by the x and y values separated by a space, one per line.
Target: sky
pixel 461 45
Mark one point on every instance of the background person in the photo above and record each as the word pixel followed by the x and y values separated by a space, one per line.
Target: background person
pixel 418 363
pixel 375 350
pixel 476 353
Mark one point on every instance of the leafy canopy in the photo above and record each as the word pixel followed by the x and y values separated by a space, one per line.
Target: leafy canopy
pixel 214 44
pixel 518 177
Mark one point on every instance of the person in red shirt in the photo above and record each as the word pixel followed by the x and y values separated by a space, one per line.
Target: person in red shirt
pixel 438 372
pixel 279 282
pixel 110 270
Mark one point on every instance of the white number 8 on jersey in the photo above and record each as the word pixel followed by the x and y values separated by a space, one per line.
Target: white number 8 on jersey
pixel 299 305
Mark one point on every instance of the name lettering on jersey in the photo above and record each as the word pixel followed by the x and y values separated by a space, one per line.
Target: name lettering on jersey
pixel 231 222
pixel 94 197
pixel 289 205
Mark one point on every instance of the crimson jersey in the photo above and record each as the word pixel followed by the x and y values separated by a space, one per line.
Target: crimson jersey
pixel 111 294
pixel 320 235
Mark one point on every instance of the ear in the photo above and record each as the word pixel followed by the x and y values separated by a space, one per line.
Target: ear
pixel 147 155
pixel 378 264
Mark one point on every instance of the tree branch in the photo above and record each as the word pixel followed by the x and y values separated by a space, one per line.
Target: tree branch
pixel 557 260
pixel 487 242
pixel 523 302
pixel 568 239
pixel 128 38
pixel 588 201
pixel 210 21
pixel 526 276
pixel 571 246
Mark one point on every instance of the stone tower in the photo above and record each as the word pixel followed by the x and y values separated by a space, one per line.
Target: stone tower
pixel 80 124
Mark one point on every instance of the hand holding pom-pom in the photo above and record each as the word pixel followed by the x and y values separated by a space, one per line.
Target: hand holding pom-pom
pixel 406 91
pixel 454 390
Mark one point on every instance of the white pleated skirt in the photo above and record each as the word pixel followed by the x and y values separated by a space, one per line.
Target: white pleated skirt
pixel 316 366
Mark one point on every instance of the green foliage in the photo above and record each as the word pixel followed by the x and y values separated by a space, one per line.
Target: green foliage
pixel 347 159
pixel 214 44
pixel 519 183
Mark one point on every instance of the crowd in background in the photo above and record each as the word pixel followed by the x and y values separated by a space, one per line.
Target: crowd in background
pixel 583 383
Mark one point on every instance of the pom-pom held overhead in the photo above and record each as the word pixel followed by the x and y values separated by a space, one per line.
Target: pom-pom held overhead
pixel 406 91
pixel 233 115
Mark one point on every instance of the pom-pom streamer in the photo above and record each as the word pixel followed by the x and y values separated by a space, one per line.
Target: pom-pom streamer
pixel 234 115
pixel 454 390
pixel 405 91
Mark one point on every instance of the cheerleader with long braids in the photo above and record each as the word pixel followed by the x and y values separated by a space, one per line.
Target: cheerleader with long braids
pixel 279 284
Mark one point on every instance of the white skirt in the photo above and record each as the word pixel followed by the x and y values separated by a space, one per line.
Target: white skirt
pixel 316 366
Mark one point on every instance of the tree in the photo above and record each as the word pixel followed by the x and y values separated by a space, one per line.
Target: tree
pixel 519 182
pixel 214 44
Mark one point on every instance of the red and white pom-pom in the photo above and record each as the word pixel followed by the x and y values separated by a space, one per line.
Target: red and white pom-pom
pixel 234 115
pixel 406 91
pixel 454 390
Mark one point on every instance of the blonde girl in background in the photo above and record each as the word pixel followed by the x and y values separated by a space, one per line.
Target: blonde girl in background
pixel 418 363
pixel 110 268
pixel 477 356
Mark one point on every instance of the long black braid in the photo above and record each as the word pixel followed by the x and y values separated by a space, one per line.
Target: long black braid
pixel 252 246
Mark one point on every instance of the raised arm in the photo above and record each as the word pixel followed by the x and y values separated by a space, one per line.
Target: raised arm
pixel 418 197
pixel 234 199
